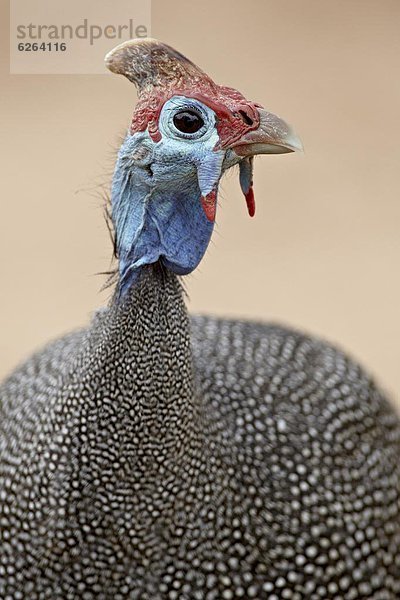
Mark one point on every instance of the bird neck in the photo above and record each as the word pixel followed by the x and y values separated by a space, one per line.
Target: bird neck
pixel 138 360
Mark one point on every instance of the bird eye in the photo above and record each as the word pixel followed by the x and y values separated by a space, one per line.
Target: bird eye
pixel 188 121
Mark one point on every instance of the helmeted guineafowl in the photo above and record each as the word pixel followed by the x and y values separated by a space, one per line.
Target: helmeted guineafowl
pixel 151 456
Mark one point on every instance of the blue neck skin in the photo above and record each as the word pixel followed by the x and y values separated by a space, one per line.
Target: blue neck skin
pixel 156 210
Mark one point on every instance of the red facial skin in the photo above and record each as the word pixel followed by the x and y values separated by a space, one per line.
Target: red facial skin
pixel 209 204
pixel 235 115
pixel 250 201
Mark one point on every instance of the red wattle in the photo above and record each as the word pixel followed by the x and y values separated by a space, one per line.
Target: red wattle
pixel 250 201
pixel 209 204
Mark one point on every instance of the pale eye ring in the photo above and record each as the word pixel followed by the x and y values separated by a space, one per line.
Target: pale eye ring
pixel 188 121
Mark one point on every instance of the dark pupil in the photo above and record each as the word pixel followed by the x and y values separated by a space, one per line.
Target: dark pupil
pixel 188 121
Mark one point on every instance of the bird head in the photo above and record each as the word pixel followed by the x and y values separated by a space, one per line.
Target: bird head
pixel 186 131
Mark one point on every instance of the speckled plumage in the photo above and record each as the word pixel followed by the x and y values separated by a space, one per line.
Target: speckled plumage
pixel 267 468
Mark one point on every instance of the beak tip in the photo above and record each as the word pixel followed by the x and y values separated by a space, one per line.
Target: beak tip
pixel 295 143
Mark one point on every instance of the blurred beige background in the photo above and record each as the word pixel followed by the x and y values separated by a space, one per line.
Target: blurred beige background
pixel 322 253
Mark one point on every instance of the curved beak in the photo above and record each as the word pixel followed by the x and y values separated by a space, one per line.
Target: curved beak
pixel 273 136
